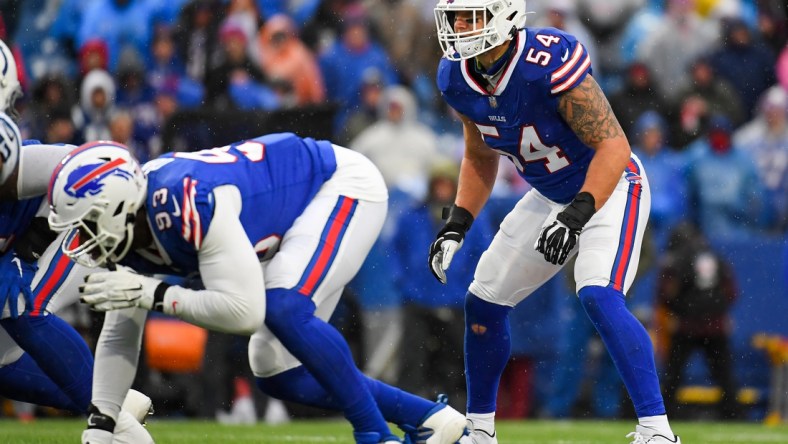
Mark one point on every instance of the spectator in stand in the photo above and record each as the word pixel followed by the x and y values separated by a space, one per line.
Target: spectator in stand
pixel 697 288
pixel 195 34
pixel 245 15
pixel 345 63
pixel 726 196
pixel 235 71
pixel 96 102
pixel 642 24
pixel 773 25
pixel 400 146
pixel 94 54
pixel 51 92
pixel 706 94
pixel 433 313
pixel 638 95
pixel 368 112
pixel 746 65
pixel 119 23
pixel 284 57
pixel 678 40
pixel 562 14
pixel 765 139
pixel 121 130
pixel 404 43
pixel 606 20
pixel 167 66
pixel 133 88
pixel 60 128
pixel 666 175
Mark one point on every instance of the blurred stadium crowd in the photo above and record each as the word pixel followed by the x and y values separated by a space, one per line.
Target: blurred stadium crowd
pixel 699 86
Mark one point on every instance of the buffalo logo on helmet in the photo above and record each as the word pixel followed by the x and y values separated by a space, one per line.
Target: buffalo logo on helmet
pixel 88 179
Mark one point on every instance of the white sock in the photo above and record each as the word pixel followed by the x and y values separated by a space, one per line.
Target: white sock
pixel 659 424
pixel 483 421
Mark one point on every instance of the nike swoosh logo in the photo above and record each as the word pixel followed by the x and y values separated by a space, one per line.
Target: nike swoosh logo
pixel 91 423
pixel 174 304
pixel 177 206
pixel 566 56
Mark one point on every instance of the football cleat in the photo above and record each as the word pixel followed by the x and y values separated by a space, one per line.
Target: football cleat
pixel 130 431
pixel 442 425
pixel 138 405
pixel 478 436
pixel 643 435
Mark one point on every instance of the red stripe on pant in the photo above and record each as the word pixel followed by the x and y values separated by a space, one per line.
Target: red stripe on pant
pixel 328 248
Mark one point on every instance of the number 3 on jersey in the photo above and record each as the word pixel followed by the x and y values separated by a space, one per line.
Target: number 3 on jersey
pixel 254 151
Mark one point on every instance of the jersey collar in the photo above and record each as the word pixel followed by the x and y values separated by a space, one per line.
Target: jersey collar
pixel 508 70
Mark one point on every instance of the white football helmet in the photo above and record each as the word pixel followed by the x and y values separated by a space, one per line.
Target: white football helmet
pixel 499 18
pixel 10 89
pixel 10 142
pixel 95 193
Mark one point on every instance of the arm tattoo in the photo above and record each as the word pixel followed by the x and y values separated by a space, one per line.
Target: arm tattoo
pixel 588 113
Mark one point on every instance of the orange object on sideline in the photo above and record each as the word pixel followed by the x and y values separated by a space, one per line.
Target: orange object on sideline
pixel 174 346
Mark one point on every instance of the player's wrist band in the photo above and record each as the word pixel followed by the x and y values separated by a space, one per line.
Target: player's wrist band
pixel 458 216
pixel 158 296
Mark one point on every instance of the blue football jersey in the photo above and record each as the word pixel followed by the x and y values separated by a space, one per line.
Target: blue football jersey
pixel 15 217
pixel 277 175
pixel 519 117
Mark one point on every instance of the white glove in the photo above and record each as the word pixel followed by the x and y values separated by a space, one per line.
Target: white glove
pixel 112 290
pixel 442 252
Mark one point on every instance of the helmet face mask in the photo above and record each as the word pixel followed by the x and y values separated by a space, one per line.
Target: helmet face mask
pixel 94 195
pixel 491 23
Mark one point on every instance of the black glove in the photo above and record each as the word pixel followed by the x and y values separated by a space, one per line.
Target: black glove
pixel 449 240
pixel 559 237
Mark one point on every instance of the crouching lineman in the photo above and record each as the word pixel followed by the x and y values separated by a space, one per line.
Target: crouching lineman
pixel 276 226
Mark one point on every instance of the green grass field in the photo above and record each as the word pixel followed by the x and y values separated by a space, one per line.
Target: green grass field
pixel 311 432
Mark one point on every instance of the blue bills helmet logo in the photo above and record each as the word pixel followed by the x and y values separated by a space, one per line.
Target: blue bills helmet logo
pixel 87 179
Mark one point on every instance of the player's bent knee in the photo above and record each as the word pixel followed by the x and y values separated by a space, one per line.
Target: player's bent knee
pixel 481 315
pixel 286 308
pixel 594 297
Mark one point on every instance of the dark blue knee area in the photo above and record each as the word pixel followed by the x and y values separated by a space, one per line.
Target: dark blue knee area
pixel 286 308
pixel 280 386
pixel 596 299
pixel 478 311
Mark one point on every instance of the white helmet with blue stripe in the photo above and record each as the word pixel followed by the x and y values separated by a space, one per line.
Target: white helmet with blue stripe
pixel 493 22
pixel 95 193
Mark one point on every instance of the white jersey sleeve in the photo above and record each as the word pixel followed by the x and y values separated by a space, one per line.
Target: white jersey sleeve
pixel 36 164
pixel 234 297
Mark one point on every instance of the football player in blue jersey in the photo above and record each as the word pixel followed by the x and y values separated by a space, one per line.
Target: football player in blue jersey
pixel 529 94
pixel 43 360
pixel 275 226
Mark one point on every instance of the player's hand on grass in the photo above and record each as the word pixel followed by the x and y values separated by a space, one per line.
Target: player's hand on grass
pixel 113 290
